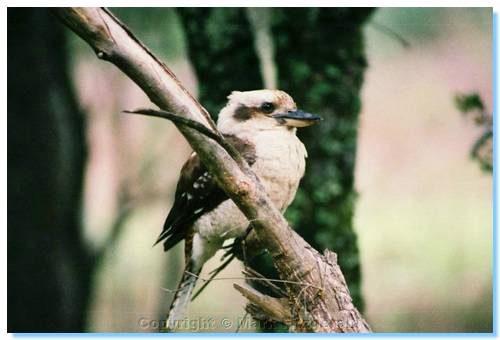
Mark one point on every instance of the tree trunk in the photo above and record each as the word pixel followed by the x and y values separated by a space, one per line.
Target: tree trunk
pixel 48 267
pixel 320 61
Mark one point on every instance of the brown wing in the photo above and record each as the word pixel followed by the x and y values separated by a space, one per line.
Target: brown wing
pixel 196 194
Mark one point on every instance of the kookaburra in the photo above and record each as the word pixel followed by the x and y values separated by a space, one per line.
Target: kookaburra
pixel 262 126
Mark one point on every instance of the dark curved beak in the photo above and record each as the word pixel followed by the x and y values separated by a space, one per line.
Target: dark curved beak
pixel 297 118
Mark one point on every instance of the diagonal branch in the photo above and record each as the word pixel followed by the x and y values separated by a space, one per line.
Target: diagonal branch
pixel 327 310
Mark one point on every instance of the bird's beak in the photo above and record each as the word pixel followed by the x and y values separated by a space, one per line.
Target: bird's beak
pixel 297 118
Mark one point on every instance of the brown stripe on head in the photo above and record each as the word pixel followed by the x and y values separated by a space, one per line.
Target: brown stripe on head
pixel 243 113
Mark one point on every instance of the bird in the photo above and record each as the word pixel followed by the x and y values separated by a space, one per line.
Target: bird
pixel 261 125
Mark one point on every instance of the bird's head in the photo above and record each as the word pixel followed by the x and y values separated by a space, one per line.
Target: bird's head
pixel 262 110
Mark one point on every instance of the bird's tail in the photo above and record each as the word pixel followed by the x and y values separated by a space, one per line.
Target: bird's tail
pixel 182 297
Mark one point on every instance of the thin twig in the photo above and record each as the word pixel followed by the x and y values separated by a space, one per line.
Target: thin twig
pixel 157 60
pixel 215 135
pixel 214 273
pixel 249 272
pixel 391 33
pixel 254 279
pixel 172 290
pixel 230 255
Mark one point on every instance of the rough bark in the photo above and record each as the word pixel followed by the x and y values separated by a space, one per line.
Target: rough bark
pixel 48 268
pixel 320 61
pixel 321 302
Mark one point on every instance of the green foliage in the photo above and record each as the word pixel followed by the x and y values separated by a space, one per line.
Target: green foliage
pixel 468 102
pixel 472 105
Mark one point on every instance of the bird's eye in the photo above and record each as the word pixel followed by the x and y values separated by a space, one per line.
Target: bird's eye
pixel 267 107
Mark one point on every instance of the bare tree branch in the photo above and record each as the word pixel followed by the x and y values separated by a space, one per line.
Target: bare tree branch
pixel 328 309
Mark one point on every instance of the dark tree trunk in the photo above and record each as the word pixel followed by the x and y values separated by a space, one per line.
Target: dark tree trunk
pixel 320 60
pixel 49 270
pixel 220 47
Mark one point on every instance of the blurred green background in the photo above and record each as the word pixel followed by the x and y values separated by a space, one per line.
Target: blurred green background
pixel 424 211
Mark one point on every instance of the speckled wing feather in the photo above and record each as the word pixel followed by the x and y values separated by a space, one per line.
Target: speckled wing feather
pixel 196 194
